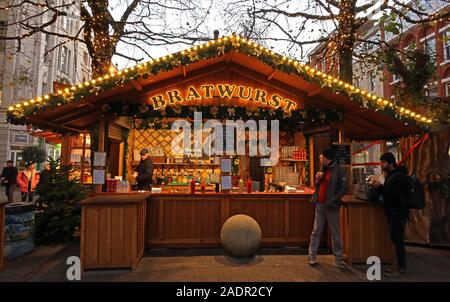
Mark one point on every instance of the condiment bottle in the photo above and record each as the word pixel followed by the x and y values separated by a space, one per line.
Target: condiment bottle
pixel 241 185
pixel 249 186
pixel 192 185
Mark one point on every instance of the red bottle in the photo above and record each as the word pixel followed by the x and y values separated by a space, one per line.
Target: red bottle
pixel 193 185
pixel 249 186
pixel 203 186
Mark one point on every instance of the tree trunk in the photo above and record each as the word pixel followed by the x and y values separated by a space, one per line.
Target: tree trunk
pixel 101 62
pixel 430 160
pixel 346 66
pixel 346 38
pixel 103 44
pixel 102 55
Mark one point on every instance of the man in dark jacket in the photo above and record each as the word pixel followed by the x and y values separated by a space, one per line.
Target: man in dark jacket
pixel 145 171
pixel 395 191
pixel 8 178
pixel 331 185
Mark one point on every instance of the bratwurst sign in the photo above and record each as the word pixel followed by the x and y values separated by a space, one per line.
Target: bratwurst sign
pixel 221 91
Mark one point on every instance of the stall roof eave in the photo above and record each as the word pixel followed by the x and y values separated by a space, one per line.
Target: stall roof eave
pixel 79 115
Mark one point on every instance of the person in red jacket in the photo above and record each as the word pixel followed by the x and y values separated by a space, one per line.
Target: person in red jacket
pixel 331 186
pixel 27 180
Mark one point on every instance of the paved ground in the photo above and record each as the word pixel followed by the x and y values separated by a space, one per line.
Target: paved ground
pixel 48 264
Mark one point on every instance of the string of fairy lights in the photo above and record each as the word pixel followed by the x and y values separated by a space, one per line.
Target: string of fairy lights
pixel 17 113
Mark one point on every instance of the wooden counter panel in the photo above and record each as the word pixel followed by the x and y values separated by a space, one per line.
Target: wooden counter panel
pixel 185 220
pixel 2 233
pixel 112 235
pixel 268 212
pixel 191 219
pixel 301 220
pixel 364 232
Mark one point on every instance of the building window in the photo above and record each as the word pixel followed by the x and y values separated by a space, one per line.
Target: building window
pixel 69 56
pixel 447 88
pixel 2 35
pixel 446 39
pixel 395 78
pixel 86 59
pixel 47 49
pixel 430 46
pixel 318 66
pixel 372 83
pixel 431 89
pixel 64 59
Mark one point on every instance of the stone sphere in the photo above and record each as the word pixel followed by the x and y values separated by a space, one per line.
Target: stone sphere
pixel 240 236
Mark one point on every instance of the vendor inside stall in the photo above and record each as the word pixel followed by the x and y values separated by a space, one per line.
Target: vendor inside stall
pixel 144 172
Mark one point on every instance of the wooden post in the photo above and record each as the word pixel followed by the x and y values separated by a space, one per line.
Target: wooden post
pixel 121 155
pixel 100 148
pixel 300 141
pixel 2 232
pixel 65 150
pixel 348 170
pixel 83 154
pixel 312 176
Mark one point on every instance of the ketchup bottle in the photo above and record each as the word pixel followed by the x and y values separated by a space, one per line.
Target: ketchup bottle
pixel 203 186
pixel 249 186
pixel 193 185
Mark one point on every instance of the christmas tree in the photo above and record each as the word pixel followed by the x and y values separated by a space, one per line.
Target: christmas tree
pixel 58 214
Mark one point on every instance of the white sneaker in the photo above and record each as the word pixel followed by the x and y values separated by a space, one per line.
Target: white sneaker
pixel 312 261
pixel 340 264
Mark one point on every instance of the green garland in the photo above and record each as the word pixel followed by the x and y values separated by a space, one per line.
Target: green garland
pixel 125 134
pixel 195 54
pixel 145 117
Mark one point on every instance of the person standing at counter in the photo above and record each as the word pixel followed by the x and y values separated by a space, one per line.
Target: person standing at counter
pixel 9 179
pixel 144 171
pixel 331 186
pixel 28 181
pixel 395 196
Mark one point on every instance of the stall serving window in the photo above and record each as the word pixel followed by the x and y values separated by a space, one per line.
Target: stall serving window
pixel 80 157
pixel 366 158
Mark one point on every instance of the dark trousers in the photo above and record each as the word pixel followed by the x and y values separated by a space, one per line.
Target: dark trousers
pixel 30 196
pixel 144 186
pixel 9 191
pixel 396 226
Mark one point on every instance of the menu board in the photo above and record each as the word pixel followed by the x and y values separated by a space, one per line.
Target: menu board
pixel 226 183
pixel 98 177
pixel 99 159
pixel 225 165
pixel 343 153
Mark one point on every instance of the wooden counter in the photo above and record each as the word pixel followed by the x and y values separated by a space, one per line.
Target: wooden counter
pixel 112 230
pixel 364 231
pixel 2 233
pixel 195 220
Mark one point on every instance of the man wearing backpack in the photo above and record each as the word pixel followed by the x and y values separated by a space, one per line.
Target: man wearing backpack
pixel 395 191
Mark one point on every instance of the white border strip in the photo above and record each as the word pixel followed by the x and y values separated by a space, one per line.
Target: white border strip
pixel 427 37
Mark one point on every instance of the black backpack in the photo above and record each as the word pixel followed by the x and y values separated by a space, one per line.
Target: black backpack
pixel 416 198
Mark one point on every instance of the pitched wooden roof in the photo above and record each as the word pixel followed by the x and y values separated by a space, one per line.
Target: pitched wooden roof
pixel 79 107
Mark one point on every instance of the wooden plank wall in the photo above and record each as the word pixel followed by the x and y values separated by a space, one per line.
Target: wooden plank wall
pixel 365 233
pixel 191 221
pixel 2 234
pixel 112 236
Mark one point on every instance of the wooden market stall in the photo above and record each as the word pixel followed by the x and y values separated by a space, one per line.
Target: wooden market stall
pixel 2 233
pixel 230 78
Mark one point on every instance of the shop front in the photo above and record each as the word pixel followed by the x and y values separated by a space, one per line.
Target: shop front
pixel 231 128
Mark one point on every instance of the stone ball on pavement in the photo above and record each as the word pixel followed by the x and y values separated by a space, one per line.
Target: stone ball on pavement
pixel 241 236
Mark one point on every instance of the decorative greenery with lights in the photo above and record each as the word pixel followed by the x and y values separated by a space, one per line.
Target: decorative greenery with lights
pixel 17 114
pixel 144 117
